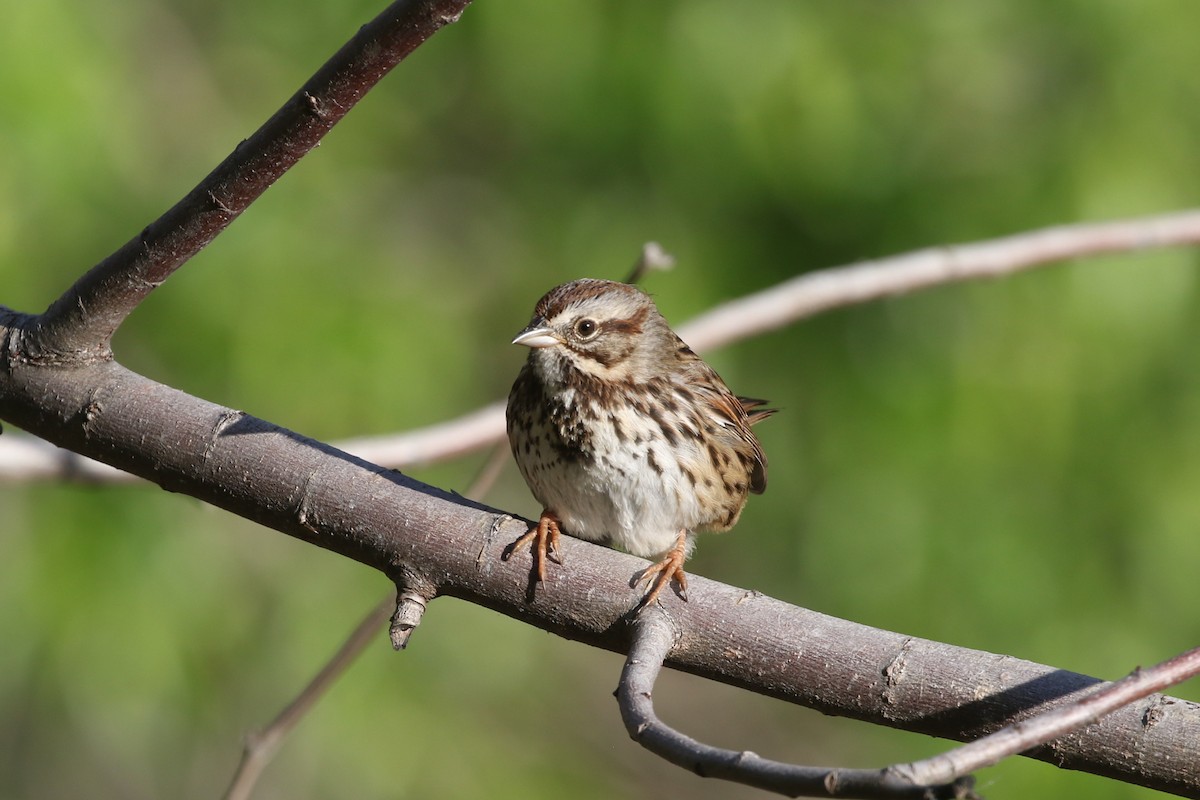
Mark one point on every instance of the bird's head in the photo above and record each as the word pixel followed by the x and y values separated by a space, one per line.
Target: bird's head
pixel 603 329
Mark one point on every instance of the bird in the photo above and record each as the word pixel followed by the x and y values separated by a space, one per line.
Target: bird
pixel 624 435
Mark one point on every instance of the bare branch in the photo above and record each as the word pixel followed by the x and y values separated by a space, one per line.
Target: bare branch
pixel 653 258
pixel 814 292
pixel 80 324
pixel 434 443
pixel 653 639
pixel 24 459
pixel 945 775
pixel 261 747
pixel 1043 728
pixel 27 459
pixel 406 606
pixel 809 294
pixel 58 381
pixel 392 523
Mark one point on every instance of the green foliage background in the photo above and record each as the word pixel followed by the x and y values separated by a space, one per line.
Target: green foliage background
pixel 1012 466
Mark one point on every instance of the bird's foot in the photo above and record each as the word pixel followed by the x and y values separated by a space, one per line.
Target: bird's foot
pixel 543 541
pixel 670 567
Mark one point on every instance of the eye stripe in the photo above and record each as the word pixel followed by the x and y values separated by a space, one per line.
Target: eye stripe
pixel 631 326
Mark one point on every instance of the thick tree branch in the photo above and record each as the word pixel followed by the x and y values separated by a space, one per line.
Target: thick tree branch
pixel 404 606
pixel 26 459
pixel 769 309
pixel 81 322
pixel 1059 721
pixel 407 529
pixel 947 775
pixel 58 381
pixel 654 638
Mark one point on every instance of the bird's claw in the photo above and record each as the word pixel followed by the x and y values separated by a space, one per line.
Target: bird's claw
pixel 660 574
pixel 543 540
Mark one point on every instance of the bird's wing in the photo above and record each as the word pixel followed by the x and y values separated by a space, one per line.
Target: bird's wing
pixel 733 415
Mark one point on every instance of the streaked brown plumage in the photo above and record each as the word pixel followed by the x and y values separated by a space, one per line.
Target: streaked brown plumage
pixel 624 434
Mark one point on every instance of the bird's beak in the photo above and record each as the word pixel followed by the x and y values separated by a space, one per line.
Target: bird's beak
pixel 536 336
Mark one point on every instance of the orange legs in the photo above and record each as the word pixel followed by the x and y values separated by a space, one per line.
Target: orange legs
pixel 542 540
pixel 660 574
pixel 544 543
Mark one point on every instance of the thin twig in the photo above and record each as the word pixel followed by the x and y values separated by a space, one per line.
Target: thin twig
pixel 780 305
pixel 404 607
pixel 489 473
pixel 653 258
pixel 26 459
pixel 944 775
pixel 1039 730
pixel 653 639
pixel 261 746
pixel 814 292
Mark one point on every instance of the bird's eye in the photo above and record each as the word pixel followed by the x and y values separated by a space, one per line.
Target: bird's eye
pixel 586 328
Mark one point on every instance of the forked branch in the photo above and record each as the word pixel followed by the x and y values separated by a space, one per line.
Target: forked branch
pixel 944 776
pixel 58 381
pixel 653 639
pixel 80 324
pixel 392 523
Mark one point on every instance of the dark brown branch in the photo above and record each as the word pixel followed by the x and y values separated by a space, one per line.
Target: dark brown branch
pixel 406 607
pixel 80 324
pixel 397 525
pixel 654 638
pixel 57 380
pixel 946 775
pixel 1060 721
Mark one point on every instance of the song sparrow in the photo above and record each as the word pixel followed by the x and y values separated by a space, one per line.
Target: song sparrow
pixel 625 435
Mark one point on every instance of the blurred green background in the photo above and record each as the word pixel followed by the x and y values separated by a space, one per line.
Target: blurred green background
pixel 1012 465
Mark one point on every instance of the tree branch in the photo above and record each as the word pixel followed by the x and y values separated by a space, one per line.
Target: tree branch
pixel 261 746
pixel 404 606
pixel 947 775
pixel 769 309
pixel 654 638
pixel 1059 721
pixel 823 290
pixel 81 323
pixel 58 381
pixel 409 530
